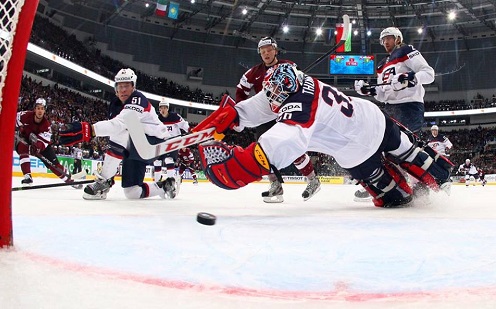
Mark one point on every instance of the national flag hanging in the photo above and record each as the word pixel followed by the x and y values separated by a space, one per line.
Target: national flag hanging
pixel 173 10
pixel 161 7
pixel 346 47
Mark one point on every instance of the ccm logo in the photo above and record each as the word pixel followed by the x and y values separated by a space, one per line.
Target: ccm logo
pixel 291 107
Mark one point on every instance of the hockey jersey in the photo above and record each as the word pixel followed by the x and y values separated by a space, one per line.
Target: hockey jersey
pixel 440 143
pixel 174 123
pixel 26 125
pixel 403 59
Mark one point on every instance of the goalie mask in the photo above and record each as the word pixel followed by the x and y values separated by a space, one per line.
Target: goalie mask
pixel 280 82
pixel 391 31
pixel 126 76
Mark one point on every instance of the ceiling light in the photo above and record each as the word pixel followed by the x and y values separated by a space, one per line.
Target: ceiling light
pixel 318 31
pixel 245 11
pixel 285 29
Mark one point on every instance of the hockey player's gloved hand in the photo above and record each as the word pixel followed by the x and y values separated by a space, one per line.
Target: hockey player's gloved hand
pixel 403 80
pixel 227 119
pixel 363 88
pixel 76 132
pixel 37 146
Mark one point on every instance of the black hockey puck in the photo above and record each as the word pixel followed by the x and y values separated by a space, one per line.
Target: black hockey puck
pixel 205 218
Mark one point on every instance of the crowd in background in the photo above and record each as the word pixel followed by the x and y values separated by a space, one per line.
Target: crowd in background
pixel 64 106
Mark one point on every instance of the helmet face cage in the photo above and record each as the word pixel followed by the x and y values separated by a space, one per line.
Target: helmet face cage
pixel 125 76
pixel 390 31
pixel 279 83
pixel 265 42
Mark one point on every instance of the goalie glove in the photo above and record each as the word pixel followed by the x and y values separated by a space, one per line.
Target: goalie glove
pixel 232 167
pixel 76 132
pixel 403 80
pixel 363 88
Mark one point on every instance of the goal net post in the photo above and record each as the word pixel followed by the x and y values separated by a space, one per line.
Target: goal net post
pixel 16 21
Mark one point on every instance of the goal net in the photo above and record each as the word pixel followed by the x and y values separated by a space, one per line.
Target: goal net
pixel 16 20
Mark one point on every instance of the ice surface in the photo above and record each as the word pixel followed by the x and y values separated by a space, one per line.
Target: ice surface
pixel 326 252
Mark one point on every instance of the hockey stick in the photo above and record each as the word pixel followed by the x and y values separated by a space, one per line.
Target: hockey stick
pixel 52 167
pixel 52 185
pixel 201 133
pixel 149 151
pixel 346 30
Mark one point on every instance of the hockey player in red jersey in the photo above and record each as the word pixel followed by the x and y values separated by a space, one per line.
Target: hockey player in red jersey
pixel 34 138
pixel 313 116
pixel 186 161
pixel 252 80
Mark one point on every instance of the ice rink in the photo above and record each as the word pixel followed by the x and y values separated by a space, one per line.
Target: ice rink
pixel 328 252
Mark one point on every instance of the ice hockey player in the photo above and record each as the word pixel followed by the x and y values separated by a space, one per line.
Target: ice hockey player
pixel 313 116
pixel 439 142
pixel 176 126
pixel 186 161
pixel 252 80
pixel 128 100
pixel 470 171
pixel 33 137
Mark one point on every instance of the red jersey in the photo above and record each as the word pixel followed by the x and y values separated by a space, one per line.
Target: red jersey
pixel 252 79
pixel 185 156
pixel 26 125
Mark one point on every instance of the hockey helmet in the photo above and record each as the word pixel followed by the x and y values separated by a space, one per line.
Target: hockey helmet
pixel 434 127
pixel 265 42
pixel 391 31
pixel 467 162
pixel 40 101
pixel 163 102
pixel 126 75
pixel 280 81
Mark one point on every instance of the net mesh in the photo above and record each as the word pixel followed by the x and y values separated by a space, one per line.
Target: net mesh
pixel 9 12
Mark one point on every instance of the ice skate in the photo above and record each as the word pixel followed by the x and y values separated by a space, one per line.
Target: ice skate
pixel 420 189
pixel 274 195
pixel 312 188
pixel 28 180
pixel 399 202
pixel 361 195
pixel 99 189
pixel 195 181
pixel 169 186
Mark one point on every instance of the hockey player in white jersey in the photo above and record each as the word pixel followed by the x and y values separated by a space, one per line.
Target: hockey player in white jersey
pixel 128 100
pixel 439 142
pixel 402 75
pixel 313 116
pixel 470 171
pixel 176 126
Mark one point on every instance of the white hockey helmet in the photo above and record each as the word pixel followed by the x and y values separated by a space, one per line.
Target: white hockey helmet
pixel 125 76
pixel 391 31
pixel 467 162
pixel 40 101
pixel 163 102
pixel 435 127
pixel 265 42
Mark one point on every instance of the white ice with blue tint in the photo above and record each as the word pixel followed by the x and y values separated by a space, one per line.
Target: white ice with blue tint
pixel 325 252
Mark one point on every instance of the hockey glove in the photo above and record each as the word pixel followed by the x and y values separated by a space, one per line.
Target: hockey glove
pixel 76 132
pixel 37 146
pixel 232 167
pixel 403 80
pixel 363 88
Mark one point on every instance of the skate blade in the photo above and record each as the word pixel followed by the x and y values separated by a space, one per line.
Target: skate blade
pixel 273 199
pixel 310 196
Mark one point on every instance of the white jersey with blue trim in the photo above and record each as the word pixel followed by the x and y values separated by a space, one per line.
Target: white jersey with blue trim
pixel 317 118
pixel 403 59
pixel 137 103
pixel 174 123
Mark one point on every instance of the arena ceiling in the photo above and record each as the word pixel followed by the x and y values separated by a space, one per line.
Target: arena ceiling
pixel 474 18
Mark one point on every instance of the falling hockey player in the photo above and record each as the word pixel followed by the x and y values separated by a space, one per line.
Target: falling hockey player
pixel 129 100
pixel 313 116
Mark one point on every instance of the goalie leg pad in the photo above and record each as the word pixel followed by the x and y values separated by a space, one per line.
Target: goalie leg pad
pixel 439 158
pixel 388 187
pixel 425 169
pixel 232 167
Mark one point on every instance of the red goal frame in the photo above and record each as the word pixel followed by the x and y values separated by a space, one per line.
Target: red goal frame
pixel 10 94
